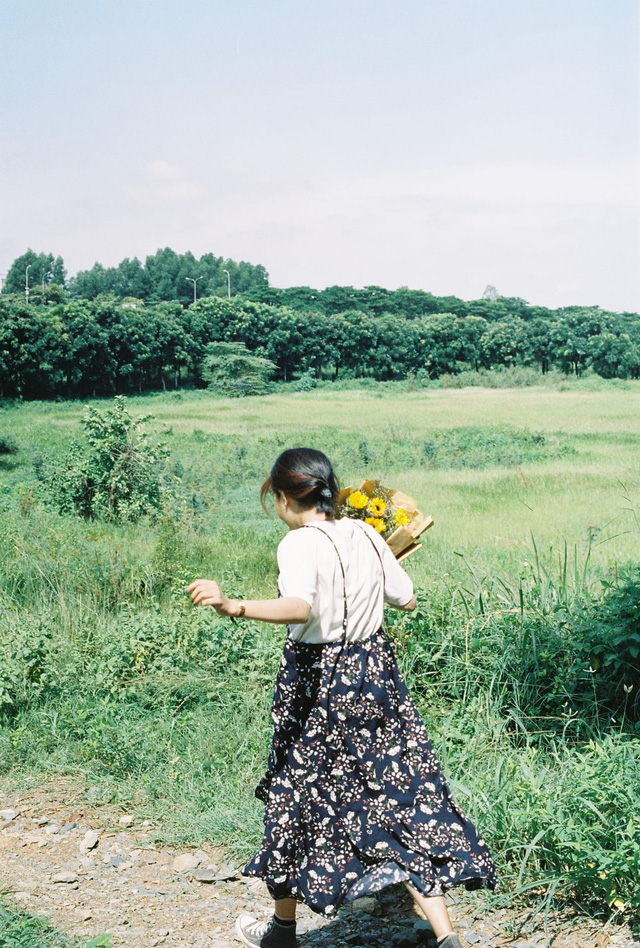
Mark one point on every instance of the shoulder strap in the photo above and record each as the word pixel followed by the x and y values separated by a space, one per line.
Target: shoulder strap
pixel 370 539
pixel 313 526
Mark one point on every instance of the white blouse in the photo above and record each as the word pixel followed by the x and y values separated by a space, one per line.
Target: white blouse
pixel 309 569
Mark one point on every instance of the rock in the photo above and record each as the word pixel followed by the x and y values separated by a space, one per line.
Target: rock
pixel 424 928
pixel 206 875
pixel 368 904
pixel 184 863
pixel 117 861
pixel 126 820
pixel 89 841
pixel 67 828
pixel 472 938
pixel 226 874
pixel 65 878
pixel 8 815
pixel 405 939
pixel 86 862
pixel 42 821
pixel 51 828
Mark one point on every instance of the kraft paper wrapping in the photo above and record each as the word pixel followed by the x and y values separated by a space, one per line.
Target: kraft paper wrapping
pixel 403 540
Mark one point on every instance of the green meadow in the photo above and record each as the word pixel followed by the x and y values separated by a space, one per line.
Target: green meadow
pixel 521 653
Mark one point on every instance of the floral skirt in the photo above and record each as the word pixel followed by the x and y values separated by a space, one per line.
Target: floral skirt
pixel 354 796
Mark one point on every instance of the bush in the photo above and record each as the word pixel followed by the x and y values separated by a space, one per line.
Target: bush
pixel 119 477
pixel 25 664
pixel 231 370
pixel 306 383
pixel 8 445
pixel 610 636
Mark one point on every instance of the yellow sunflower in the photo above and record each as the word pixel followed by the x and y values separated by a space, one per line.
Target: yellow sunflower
pixel 376 522
pixel 401 517
pixel 377 506
pixel 357 500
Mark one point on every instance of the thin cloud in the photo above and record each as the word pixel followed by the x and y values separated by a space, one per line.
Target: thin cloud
pixel 165 183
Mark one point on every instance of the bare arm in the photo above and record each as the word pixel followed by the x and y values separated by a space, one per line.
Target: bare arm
pixel 409 606
pixel 206 592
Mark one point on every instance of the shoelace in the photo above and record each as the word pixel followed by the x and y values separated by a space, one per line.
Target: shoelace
pixel 258 929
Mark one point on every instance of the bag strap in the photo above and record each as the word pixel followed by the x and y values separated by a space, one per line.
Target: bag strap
pixel 345 618
pixel 370 539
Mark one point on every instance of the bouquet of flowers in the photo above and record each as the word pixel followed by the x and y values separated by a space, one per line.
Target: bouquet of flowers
pixel 393 514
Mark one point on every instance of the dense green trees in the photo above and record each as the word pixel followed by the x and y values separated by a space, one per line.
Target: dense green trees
pixel 135 327
pixel 167 275
pixel 106 346
pixel 31 271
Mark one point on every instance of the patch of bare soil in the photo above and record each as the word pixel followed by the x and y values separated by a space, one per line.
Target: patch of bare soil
pixel 94 869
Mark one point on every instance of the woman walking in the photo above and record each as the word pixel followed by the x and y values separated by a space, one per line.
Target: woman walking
pixel 354 796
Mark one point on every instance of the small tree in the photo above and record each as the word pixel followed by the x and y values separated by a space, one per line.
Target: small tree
pixel 230 369
pixel 118 477
pixel 7 445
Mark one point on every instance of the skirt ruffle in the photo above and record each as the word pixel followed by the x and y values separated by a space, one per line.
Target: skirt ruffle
pixel 354 796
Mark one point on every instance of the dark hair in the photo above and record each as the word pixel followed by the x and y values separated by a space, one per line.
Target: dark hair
pixel 306 476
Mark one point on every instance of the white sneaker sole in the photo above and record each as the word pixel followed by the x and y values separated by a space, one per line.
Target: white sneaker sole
pixel 240 934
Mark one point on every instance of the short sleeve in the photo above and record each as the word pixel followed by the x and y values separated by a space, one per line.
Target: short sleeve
pixel 398 587
pixel 298 566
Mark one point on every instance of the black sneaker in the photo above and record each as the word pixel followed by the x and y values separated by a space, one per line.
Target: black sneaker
pixel 451 941
pixel 269 934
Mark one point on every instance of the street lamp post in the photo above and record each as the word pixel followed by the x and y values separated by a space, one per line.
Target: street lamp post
pixel 228 283
pixel 26 284
pixel 191 280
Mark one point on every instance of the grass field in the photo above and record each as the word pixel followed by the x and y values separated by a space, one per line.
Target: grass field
pixel 110 674
pixel 581 485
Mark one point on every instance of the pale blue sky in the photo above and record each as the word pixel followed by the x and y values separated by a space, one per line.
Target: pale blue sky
pixel 439 145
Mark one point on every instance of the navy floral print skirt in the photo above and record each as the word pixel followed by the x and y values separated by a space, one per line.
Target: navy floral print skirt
pixel 354 795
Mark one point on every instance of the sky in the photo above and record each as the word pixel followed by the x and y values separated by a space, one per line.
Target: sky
pixel 442 145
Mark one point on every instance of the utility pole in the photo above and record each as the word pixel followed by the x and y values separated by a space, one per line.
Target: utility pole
pixel 228 283
pixel 191 280
pixel 26 284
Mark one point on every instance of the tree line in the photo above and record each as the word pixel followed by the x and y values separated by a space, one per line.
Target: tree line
pixel 165 275
pixel 104 346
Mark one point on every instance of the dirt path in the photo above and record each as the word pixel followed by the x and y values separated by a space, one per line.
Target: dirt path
pixel 95 869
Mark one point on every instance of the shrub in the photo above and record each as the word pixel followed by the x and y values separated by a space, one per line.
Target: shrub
pixel 306 383
pixel 8 445
pixel 610 636
pixel 25 664
pixel 231 370
pixel 118 477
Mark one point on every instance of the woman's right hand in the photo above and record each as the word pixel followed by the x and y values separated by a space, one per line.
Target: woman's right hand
pixel 206 592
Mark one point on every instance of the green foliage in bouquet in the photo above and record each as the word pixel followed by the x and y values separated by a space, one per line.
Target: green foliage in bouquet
pixel 377 509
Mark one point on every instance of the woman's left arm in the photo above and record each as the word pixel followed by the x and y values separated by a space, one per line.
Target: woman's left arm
pixel 288 611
